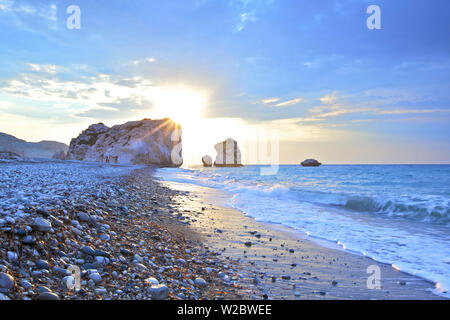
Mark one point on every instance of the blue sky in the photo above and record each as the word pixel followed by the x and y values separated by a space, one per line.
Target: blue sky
pixel 310 69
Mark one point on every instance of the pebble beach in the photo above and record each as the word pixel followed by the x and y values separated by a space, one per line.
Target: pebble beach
pixel 114 223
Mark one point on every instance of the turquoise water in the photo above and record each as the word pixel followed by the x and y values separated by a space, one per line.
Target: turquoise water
pixel 398 214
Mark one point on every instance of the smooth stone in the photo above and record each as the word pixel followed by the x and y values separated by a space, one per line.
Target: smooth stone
pixel 152 281
pixel 6 281
pixel 159 292
pixel 48 296
pixel 43 212
pixel 102 260
pixel 42 264
pixel 21 232
pixel 61 271
pixel 12 256
pixel 26 284
pixel 3 297
pixel 200 282
pixel 88 250
pixel 41 225
pixel 29 240
pixel 42 289
pixel 96 277
pixel 100 291
pixel 83 217
pixel 101 253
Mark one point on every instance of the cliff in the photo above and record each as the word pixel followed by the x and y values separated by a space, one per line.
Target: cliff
pixel 152 142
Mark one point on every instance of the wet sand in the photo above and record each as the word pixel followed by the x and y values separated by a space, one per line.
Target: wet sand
pixel 281 263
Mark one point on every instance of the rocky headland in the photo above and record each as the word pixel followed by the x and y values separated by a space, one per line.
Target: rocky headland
pixel 151 142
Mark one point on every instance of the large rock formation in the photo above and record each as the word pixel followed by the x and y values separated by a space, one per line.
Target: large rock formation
pixel 311 163
pixel 153 142
pixel 207 161
pixel 228 154
pixel 42 149
pixel 86 140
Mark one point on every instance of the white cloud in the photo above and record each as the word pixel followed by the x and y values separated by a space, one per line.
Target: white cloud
pixel 21 14
pixel 145 60
pixel 270 100
pixel 248 11
pixel 289 102
pixel 330 98
pixel 42 85
pixel 46 68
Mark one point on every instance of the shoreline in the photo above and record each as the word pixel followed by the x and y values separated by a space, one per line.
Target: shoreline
pixel 134 236
pixel 282 263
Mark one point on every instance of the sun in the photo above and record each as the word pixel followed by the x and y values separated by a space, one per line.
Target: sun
pixel 181 104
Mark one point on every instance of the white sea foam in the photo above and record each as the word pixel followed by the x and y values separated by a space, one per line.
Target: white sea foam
pixel 393 214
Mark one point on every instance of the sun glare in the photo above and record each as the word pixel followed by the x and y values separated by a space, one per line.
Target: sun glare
pixel 183 105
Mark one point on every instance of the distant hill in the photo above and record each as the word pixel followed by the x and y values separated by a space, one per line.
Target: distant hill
pixel 42 149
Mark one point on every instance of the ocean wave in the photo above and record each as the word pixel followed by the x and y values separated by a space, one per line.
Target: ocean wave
pixel 433 209
pixel 428 210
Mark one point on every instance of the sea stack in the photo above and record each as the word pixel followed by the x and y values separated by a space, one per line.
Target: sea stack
pixel 152 142
pixel 207 161
pixel 311 163
pixel 228 154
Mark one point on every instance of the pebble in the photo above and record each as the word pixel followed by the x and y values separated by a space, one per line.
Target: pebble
pixel 159 292
pixel 29 240
pixel 152 281
pixel 83 217
pixel 200 282
pixel 4 297
pixel 12 256
pixel 96 277
pixel 6 281
pixel 41 225
pixel 42 289
pixel 88 250
pixel 48 296
pixel 42 264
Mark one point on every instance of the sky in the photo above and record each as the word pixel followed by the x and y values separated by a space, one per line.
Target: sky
pixel 305 79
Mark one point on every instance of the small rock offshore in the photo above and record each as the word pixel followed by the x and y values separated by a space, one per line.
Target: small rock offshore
pixel 74 230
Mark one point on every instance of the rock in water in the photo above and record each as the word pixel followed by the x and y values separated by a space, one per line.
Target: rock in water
pixel 60 155
pixel 207 161
pixel 228 154
pixel 147 141
pixel 311 163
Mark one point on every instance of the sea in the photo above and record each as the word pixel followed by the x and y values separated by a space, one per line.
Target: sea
pixel 395 214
